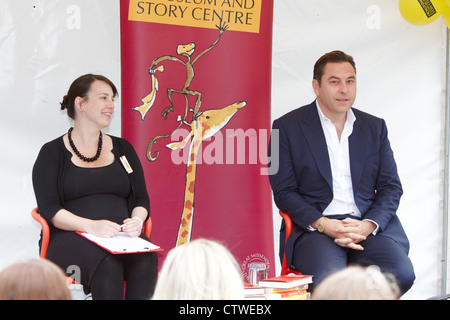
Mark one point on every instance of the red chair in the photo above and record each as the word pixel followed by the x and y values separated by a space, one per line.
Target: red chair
pixel 46 231
pixel 284 266
pixel 46 236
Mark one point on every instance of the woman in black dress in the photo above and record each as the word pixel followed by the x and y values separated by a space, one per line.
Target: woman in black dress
pixel 82 185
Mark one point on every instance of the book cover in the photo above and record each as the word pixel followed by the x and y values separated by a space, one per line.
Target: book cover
pixel 286 281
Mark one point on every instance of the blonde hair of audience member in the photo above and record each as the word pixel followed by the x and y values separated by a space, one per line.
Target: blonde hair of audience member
pixel 357 283
pixel 34 279
pixel 199 270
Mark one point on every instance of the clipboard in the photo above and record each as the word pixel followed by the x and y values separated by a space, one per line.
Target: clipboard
pixel 121 243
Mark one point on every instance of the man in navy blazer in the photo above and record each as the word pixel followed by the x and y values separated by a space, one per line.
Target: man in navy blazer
pixel 337 179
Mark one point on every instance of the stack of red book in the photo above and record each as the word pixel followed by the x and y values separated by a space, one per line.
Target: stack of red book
pixel 293 287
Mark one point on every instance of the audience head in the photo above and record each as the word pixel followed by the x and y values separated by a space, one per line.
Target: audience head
pixel 357 283
pixel 34 279
pixel 199 270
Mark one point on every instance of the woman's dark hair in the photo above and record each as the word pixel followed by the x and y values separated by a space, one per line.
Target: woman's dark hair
pixel 333 56
pixel 80 88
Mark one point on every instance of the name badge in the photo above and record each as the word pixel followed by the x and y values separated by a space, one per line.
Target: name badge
pixel 126 165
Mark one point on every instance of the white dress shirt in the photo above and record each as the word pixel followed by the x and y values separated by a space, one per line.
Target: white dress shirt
pixel 338 150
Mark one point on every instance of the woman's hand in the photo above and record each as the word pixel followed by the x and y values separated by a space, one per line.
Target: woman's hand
pixel 65 220
pixel 103 228
pixel 132 226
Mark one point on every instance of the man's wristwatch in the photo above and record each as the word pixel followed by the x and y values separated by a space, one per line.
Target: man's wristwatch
pixel 321 227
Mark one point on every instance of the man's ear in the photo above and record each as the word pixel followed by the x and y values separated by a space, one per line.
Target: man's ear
pixel 316 86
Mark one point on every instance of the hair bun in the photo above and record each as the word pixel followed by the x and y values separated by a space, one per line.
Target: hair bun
pixel 64 104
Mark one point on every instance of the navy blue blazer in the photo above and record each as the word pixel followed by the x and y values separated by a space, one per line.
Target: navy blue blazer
pixel 302 186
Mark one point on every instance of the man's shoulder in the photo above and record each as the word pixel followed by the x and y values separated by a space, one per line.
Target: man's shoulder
pixel 296 114
pixel 366 117
pixel 364 114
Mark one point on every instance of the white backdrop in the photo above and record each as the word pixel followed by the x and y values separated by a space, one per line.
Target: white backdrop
pixel 46 44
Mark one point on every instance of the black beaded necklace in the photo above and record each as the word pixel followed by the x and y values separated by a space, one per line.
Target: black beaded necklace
pixel 75 150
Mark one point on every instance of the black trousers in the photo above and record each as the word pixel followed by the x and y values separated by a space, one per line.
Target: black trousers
pixel 138 270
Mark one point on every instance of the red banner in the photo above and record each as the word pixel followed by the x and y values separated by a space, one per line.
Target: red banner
pixel 196 82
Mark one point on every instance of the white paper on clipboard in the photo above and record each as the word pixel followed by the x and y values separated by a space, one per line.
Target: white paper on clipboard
pixel 121 243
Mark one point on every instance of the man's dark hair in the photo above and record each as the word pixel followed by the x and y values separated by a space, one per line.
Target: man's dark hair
pixel 333 56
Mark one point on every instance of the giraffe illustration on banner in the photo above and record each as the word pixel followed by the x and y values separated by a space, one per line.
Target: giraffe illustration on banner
pixel 205 125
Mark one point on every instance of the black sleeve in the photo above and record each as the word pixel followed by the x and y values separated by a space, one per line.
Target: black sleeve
pixel 45 180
